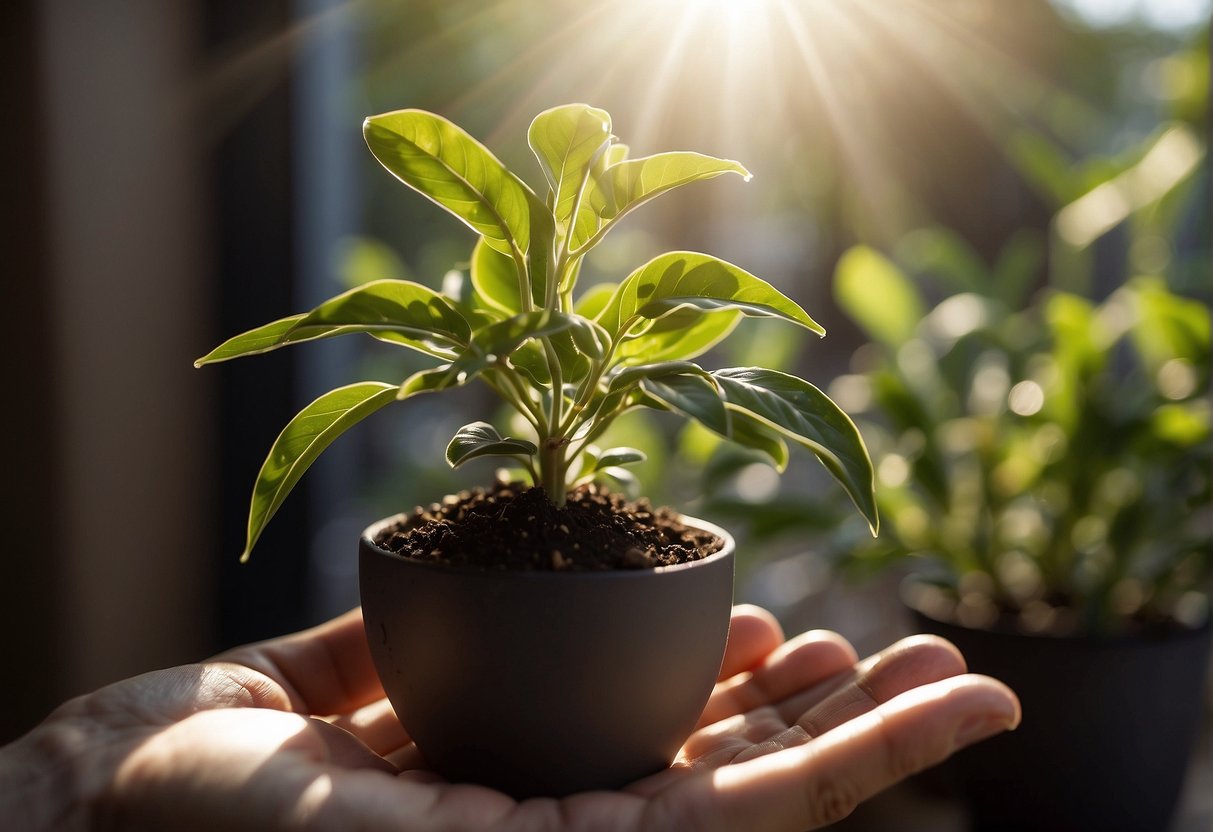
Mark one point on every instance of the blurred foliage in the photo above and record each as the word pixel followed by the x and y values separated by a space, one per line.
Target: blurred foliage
pixel 1052 461
pixel 1057 456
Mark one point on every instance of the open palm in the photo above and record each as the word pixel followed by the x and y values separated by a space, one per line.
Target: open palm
pixel 294 733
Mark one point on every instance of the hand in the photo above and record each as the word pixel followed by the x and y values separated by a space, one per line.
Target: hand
pixel 294 733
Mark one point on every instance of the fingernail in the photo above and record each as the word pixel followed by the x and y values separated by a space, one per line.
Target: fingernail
pixel 978 728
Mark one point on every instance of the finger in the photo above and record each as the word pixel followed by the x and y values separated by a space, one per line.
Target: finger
pixel 822 781
pixel 347 751
pixel 798 665
pixel 324 670
pixel 753 634
pixel 376 726
pixel 909 663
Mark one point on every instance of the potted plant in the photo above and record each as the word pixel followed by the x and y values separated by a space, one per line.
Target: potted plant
pixel 512 626
pixel 1045 474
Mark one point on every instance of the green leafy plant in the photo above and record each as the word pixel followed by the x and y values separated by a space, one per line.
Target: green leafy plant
pixel 1048 460
pixel 568 365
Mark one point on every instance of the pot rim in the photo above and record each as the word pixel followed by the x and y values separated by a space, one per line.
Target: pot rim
pixel 1118 639
pixel 367 542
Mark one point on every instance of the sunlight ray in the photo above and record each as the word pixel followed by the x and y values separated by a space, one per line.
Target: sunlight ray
pixel 535 54
pixel 861 160
pixel 996 73
pixel 232 84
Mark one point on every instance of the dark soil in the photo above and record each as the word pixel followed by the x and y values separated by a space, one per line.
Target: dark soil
pixel 513 526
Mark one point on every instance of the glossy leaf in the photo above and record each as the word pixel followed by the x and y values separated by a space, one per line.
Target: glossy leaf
pixel 624 478
pixel 683 333
pixel 532 359
pixel 701 281
pixel 262 339
pixel 613 457
pixel 631 376
pixel 482 439
pixel 495 277
pixel 442 162
pixel 574 347
pixel 567 140
pixel 749 432
pixel 399 311
pixel 302 440
pixel 804 414
pixel 595 299
pixel 694 395
pixel 408 309
pixel 432 380
pixel 589 337
pixel 593 200
pixel 626 185
pixel 500 340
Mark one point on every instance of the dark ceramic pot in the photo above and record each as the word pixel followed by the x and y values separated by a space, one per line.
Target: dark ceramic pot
pixel 1108 728
pixel 546 683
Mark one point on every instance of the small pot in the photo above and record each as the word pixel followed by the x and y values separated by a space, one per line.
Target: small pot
pixel 1109 724
pixel 546 683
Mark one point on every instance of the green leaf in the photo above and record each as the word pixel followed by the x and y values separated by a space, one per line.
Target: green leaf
pixel 595 299
pixel 802 413
pixel 593 204
pixel 482 439
pixel 495 277
pixel 624 479
pixel 302 440
pixel 501 339
pixel 626 185
pixel 683 333
pixel 430 381
pixel 619 456
pixel 417 313
pixel 631 376
pixel 398 311
pixel 632 183
pixel 479 313
pixel 594 460
pixel 754 434
pixel 262 339
pixel 441 161
pixel 590 339
pixel 566 141
pixel 877 296
pixel 688 279
pixel 694 395
pixel 583 340
pixel 531 359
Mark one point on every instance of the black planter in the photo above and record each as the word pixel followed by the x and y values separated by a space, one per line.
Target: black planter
pixel 1108 728
pixel 546 683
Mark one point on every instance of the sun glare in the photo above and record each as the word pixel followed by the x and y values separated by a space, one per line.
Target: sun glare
pixel 870 98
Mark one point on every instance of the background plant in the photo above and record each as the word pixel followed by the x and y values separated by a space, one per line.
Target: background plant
pixel 1047 459
pixel 567 367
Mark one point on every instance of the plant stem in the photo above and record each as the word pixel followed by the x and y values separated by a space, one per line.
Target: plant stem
pixel 551 470
pixel 515 393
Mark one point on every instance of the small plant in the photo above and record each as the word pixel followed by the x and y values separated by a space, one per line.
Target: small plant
pixel 568 366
